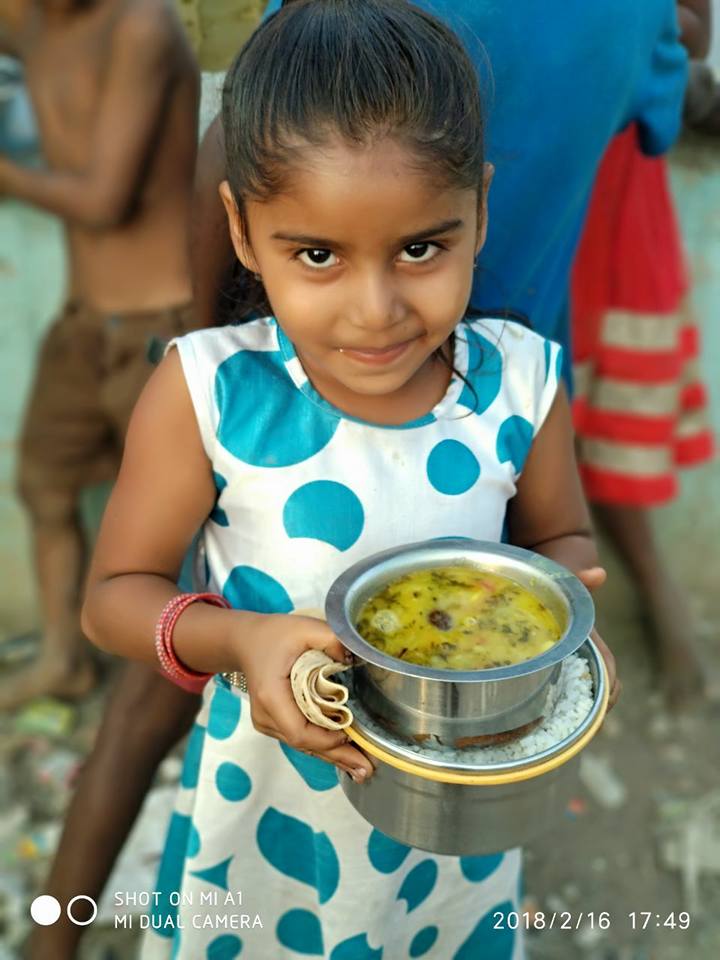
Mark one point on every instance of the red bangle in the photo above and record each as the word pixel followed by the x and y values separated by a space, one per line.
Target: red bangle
pixel 172 667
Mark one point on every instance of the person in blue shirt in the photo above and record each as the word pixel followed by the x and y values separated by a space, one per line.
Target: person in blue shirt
pixel 559 86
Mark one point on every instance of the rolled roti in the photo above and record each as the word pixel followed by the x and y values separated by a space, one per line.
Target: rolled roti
pixel 320 699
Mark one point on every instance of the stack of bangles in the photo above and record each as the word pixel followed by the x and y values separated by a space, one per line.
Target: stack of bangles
pixel 171 666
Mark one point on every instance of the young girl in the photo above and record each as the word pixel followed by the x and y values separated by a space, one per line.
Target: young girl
pixel 368 411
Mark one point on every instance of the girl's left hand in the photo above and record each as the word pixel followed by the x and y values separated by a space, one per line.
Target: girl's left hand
pixel 593 578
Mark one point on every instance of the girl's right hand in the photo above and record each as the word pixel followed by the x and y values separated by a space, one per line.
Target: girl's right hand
pixel 266 660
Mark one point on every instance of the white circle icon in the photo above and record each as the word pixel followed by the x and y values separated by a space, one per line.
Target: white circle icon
pixel 81 923
pixel 45 910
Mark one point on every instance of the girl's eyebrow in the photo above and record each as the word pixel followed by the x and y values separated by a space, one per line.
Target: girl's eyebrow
pixel 304 238
pixel 445 226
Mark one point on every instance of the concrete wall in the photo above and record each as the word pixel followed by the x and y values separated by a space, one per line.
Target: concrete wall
pixel 32 271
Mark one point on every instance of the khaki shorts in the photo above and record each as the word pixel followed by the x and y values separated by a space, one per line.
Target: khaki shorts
pixel 90 372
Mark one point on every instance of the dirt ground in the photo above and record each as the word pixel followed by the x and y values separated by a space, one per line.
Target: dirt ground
pixel 610 859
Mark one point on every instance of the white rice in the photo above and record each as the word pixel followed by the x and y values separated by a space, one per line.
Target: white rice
pixel 574 702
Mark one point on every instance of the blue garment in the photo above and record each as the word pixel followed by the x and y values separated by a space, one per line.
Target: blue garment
pixel 559 79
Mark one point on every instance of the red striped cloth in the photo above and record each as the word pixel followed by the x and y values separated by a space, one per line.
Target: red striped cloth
pixel 640 408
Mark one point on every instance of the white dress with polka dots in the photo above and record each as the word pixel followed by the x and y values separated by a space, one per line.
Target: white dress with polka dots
pixel 265 857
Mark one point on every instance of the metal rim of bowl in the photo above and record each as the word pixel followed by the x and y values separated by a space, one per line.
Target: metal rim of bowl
pixel 506 772
pixel 575 593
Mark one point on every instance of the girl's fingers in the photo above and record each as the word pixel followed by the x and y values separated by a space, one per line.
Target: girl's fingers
pixel 321 637
pixel 593 577
pixel 288 724
pixel 350 759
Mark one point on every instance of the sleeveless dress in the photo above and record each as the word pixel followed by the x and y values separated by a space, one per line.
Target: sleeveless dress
pixel 265 858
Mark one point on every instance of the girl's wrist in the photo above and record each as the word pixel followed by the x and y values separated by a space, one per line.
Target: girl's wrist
pixel 241 631
pixel 209 639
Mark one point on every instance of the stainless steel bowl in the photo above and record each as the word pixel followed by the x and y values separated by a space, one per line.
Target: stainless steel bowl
pixel 471 809
pixel 451 707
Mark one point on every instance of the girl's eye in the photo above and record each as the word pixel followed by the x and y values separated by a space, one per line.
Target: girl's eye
pixel 317 258
pixel 419 252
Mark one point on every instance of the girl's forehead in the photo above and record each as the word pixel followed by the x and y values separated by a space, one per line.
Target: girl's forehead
pixel 342 188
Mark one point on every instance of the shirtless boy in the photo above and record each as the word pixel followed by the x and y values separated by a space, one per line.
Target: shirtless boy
pixel 115 90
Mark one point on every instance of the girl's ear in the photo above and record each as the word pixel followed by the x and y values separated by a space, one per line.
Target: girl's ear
pixel 489 172
pixel 238 234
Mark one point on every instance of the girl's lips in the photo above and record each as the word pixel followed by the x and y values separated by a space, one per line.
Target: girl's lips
pixel 377 357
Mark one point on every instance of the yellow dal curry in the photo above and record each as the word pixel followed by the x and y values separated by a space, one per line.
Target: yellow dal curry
pixel 457 618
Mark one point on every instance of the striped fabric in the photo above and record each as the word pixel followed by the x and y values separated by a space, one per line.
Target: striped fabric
pixel 640 414
pixel 640 407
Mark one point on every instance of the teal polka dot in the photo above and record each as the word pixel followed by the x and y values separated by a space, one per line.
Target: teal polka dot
pixel 317 774
pixel 193 846
pixel 217 874
pixel 193 755
pixel 226 947
pixel 284 430
pixel 476 869
pixel 418 884
pixel 300 930
pixel 232 782
pixel 248 588
pixel 489 940
pixel 325 510
pixel 484 372
pixel 291 846
pixel 386 854
pixel 169 878
pixel 225 710
pixel 218 515
pixel 514 440
pixel 423 941
pixel 452 468
pixel 355 948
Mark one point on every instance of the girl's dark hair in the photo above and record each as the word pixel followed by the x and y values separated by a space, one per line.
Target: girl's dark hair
pixel 358 69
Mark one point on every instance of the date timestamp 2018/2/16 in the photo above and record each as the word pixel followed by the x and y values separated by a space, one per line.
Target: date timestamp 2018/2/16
pixel 601 920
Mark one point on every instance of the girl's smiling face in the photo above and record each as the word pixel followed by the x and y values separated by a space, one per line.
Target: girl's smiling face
pixel 368 263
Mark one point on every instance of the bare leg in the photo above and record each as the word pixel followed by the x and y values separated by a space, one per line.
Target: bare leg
pixel 630 531
pixel 65 666
pixel 144 718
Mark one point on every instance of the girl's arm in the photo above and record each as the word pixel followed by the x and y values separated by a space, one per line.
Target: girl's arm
pixel 163 495
pixel 549 514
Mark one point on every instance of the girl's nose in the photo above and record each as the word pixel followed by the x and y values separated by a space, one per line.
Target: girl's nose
pixel 377 304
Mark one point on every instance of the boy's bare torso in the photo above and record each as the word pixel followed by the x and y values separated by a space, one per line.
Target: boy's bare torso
pixel 140 262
